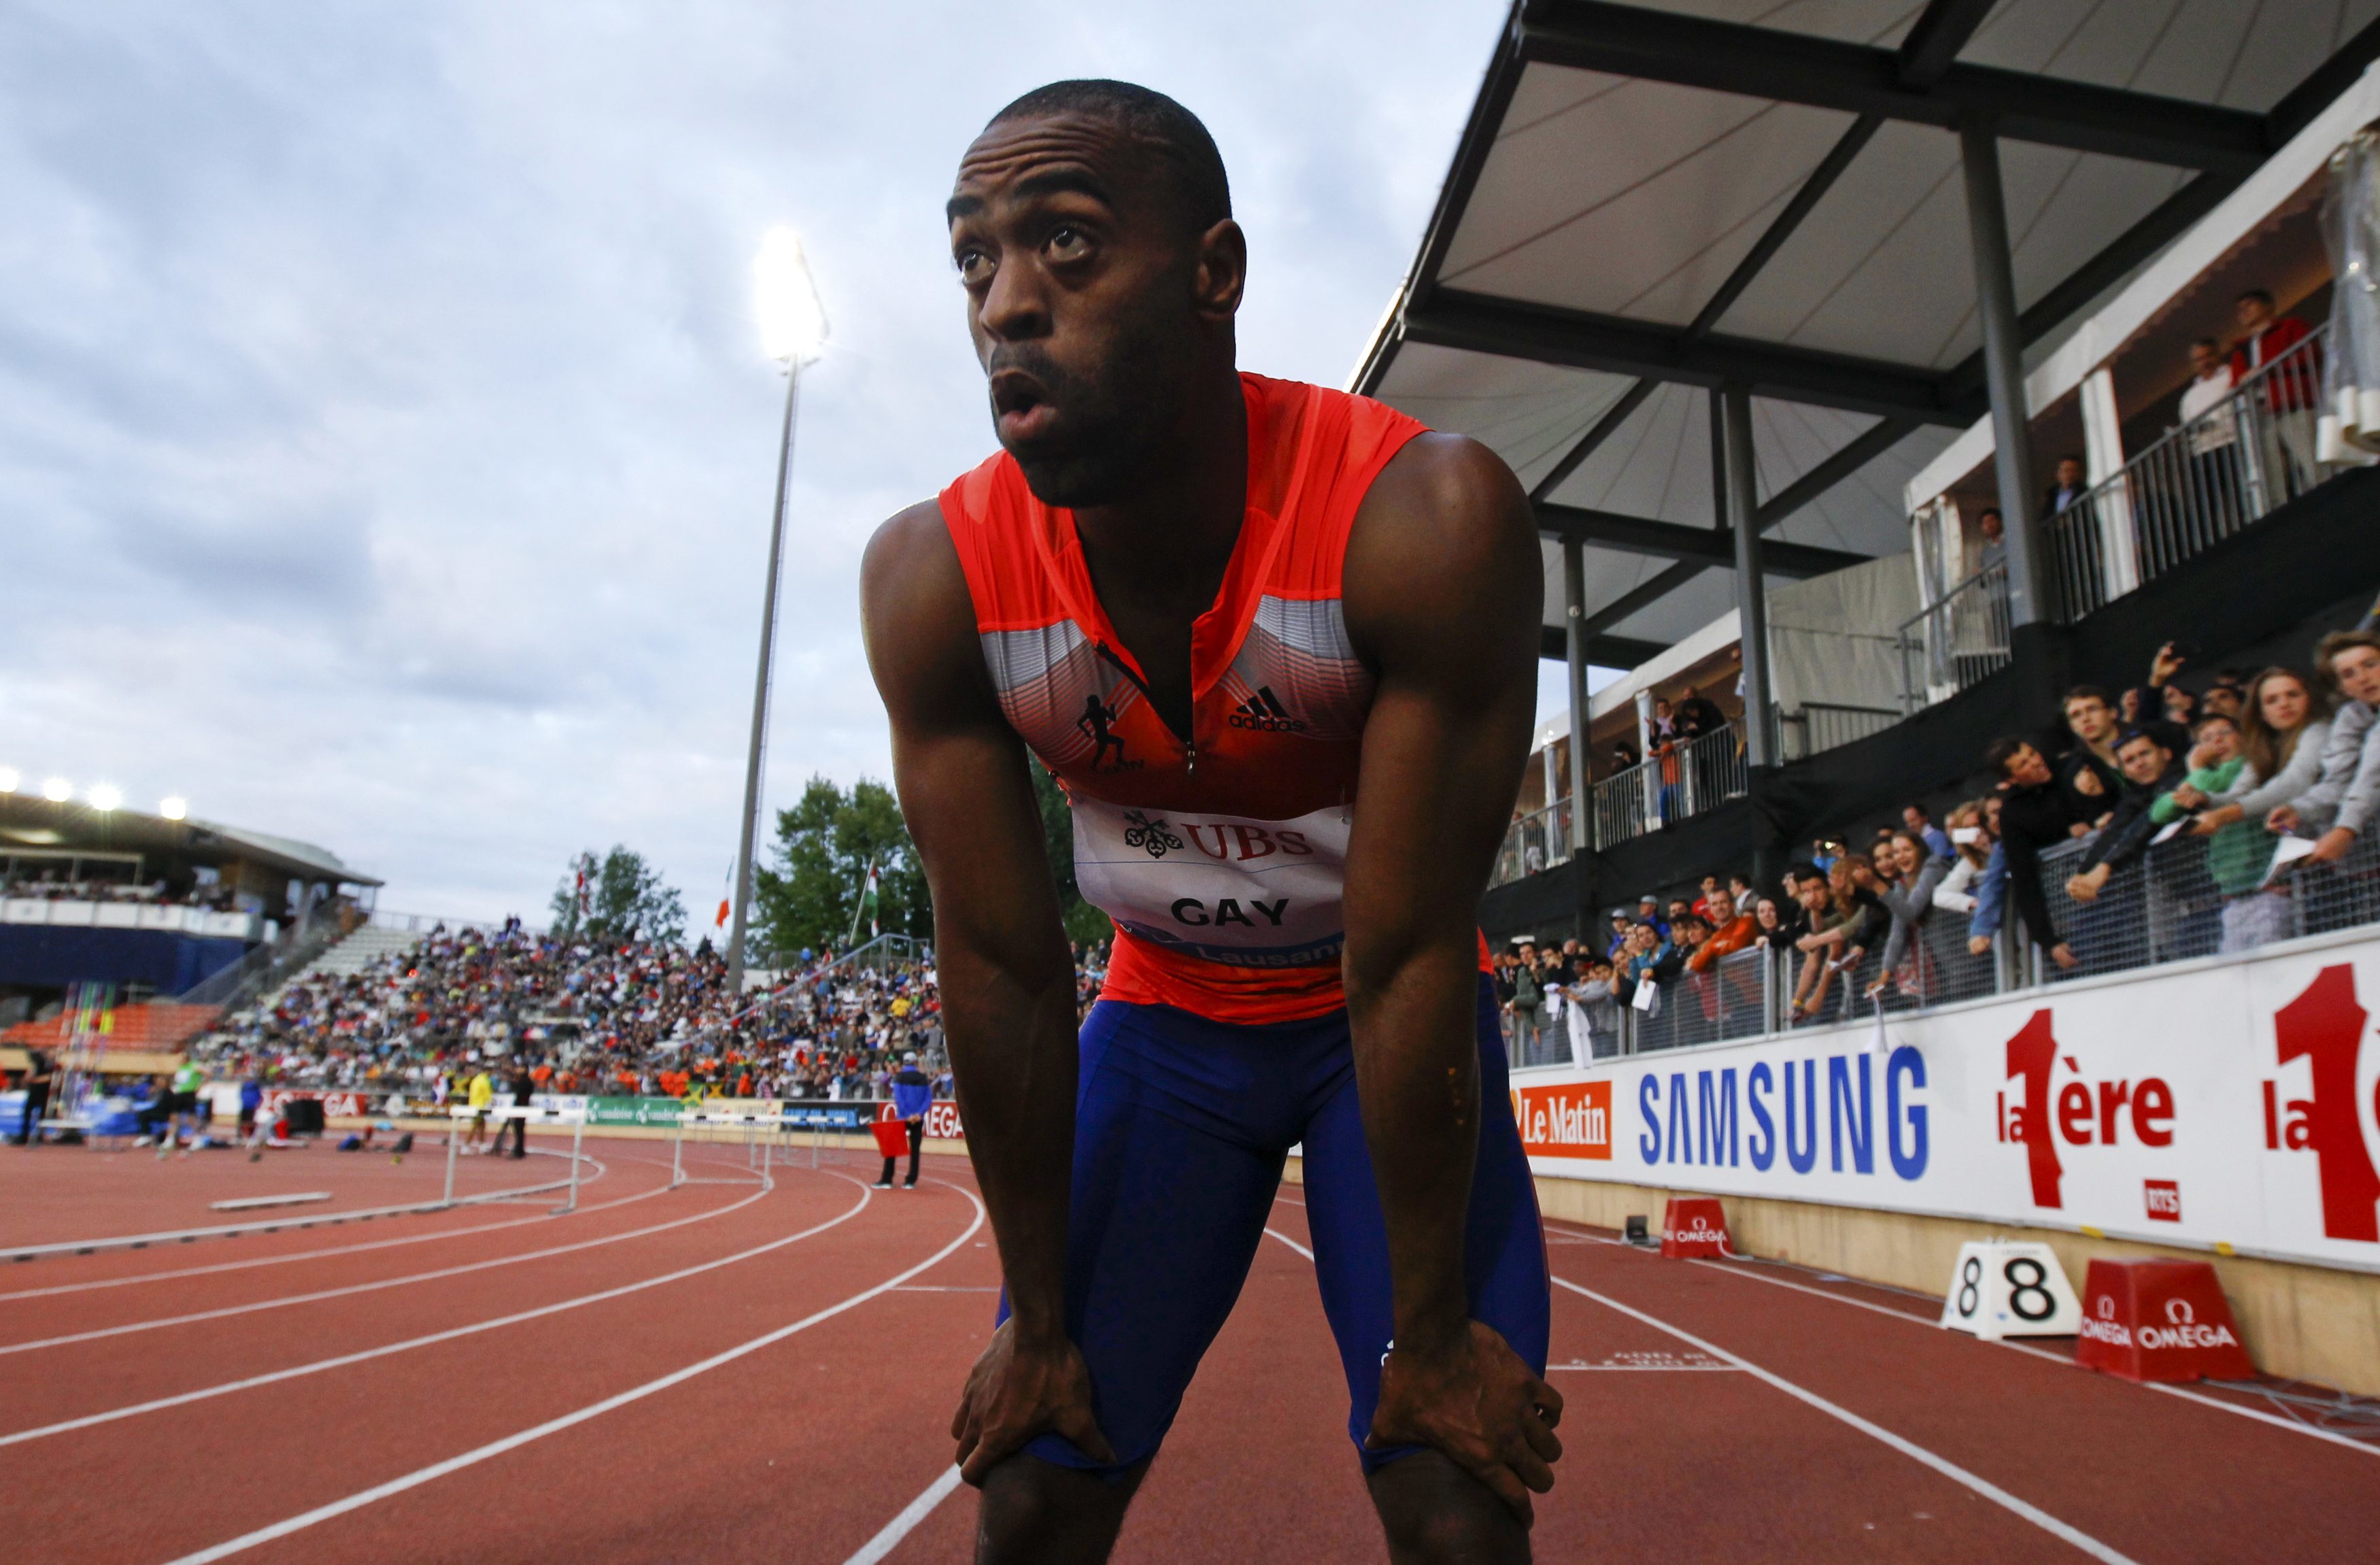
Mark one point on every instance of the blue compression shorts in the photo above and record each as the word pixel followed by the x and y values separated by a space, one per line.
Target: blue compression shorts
pixel 1180 1128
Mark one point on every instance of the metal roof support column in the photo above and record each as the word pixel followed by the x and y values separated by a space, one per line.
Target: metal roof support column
pixel 1987 234
pixel 1574 614
pixel 1751 586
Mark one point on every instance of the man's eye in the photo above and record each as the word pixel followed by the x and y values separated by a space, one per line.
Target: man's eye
pixel 975 267
pixel 1069 244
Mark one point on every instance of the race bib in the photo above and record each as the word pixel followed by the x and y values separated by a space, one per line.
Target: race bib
pixel 1248 892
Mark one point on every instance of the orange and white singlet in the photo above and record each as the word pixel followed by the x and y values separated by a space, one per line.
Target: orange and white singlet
pixel 1220 854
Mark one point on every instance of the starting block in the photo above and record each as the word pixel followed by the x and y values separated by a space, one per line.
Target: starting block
pixel 2159 1320
pixel 2005 1289
pixel 1694 1228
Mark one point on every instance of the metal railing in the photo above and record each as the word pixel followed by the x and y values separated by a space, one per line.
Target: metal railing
pixel 1536 841
pixel 263 967
pixel 1821 726
pixel 2162 907
pixel 2198 484
pixel 1957 641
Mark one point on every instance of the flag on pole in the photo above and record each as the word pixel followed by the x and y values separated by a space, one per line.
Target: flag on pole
pixel 721 920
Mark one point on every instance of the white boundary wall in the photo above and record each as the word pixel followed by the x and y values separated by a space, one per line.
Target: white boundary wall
pixel 2227 1104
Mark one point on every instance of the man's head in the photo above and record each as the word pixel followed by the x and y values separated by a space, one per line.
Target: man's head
pixel 2351 661
pixel 2219 738
pixel 2018 763
pixel 2069 472
pixel 908 1059
pixel 1990 525
pixel 1688 932
pixel 2205 357
pixel 1914 816
pixel 2253 311
pixel 1678 909
pixel 1091 226
pixel 2089 713
pixel 2227 696
pixel 2143 759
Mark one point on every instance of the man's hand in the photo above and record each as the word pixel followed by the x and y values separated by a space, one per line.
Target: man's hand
pixel 2332 845
pixel 1015 1392
pixel 2085 887
pixel 1476 1401
pixel 2283 819
pixel 2063 954
pixel 1979 945
pixel 2164 665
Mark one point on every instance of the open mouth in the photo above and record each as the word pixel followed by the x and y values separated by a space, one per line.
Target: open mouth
pixel 1020 405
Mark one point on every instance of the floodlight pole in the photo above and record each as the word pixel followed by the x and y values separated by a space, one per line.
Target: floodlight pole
pixel 761 692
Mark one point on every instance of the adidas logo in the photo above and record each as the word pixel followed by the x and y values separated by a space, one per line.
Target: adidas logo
pixel 1263 712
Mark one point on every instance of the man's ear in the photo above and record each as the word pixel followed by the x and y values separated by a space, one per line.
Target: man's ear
pixel 1223 272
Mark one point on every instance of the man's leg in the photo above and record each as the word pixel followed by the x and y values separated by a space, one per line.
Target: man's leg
pixel 1431 1509
pixel 1179 1129
pixel 916 1149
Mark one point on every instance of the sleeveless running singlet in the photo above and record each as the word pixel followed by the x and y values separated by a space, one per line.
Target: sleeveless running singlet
pixel 1220 854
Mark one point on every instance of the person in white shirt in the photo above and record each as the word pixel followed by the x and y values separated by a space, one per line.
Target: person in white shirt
pixel 2213 433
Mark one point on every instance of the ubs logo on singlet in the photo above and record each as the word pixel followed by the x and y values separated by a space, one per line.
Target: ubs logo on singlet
pixel 1151 836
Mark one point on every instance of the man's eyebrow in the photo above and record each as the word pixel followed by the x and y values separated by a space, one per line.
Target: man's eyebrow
pixel 1061 180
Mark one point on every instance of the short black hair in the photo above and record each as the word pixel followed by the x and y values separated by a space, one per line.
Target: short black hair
pixel 2130 734
pixel 1202 192
pixel 2086 693
pixel 2260 295
pixel 2003 750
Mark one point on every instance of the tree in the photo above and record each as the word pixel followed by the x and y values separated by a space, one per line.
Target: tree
pixel 1085 925
pixel 806 896
pixel 617 897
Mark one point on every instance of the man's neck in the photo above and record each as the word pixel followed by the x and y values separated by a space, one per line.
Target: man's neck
pixel 1165 548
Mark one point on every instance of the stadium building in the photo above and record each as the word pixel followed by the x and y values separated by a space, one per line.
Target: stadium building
pixel 1767 314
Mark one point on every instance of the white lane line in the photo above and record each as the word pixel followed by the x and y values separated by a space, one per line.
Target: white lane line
pixel 901 1526
pixel 316 1255
pixel 342 1361
pixel 353 1289
pixel 594 1410
pixel 2064 1531
pixel 1290 1243
pixel 2184 1392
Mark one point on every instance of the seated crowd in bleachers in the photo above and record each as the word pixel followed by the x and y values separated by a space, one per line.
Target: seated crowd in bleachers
pixel 594 1016
pixel 2157 825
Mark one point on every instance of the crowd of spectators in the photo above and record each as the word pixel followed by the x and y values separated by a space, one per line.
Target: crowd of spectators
pixel 2150 825
pixel 595 1017
pixel 49 885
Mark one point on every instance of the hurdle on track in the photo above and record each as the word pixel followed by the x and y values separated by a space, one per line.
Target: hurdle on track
pixel 575 1118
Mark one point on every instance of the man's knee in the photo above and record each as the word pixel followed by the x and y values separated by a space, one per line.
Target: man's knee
pixel 1035 1511
pixel 1434 1513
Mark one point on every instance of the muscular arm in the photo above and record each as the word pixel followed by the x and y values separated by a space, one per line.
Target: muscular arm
pixel 1443 589
pixel 1006 976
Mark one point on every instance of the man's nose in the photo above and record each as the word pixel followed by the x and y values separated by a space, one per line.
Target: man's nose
pixel 1017 306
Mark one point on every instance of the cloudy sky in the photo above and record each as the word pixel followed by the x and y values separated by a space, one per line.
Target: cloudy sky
pixel 385 448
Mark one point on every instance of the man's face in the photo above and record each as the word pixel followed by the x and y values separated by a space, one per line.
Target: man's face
pixel 2069 473
pixel 2143 760
pixel 1992 527
pixel 2026 768
pixel 2223 700
pixel 2218 742
pixel 2203 360
pixel 1086 299
pixel 2357 669
pixel 2089 718
pixel 2252 314
pixel 1677 909
pixel 1912 818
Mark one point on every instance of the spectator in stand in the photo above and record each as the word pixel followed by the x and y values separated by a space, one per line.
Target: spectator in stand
pixel 2241 850
pixel 1917 872
pixel 1768 928
pixel 1914 818
pixel 1970 855
pixel 1648 911
pixel 2214 427
pixel 2282 735
pixel 1528 1001
pixel 1740 892
pixel 2088 774
pixel 2228 697
pixel 1665 742
pixel 2150 771
pixel 2037 812
pixel 2339 805
pixel 1714 906
pixel 1992 553
pixel 1624 757
pixel 1618 939
pixel 2068 491
pixel 2290 393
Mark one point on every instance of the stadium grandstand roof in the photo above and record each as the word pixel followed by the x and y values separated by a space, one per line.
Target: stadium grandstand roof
pixel 28 821
pixel 1650 202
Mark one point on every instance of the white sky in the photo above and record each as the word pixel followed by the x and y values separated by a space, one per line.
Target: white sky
pixel 385 448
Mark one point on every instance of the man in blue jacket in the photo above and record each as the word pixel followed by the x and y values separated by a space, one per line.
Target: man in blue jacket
pixel 912 1094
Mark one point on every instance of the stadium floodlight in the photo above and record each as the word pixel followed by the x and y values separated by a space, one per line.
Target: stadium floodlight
pixel 57 790
pixel 793 331
pixel 793 317
pixel 8 778
pixel 174 808
pixel 104 796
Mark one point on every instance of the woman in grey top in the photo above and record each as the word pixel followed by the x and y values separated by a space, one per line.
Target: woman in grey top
pixel 2341 802
pixel 1907 896
pixel 2283 731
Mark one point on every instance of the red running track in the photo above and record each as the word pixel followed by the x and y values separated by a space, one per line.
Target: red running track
pixel 733 1372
